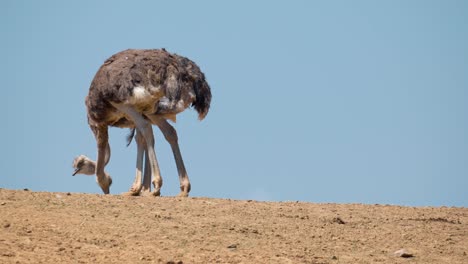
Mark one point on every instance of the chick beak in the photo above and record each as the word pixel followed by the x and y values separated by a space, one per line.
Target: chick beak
pixel 76 171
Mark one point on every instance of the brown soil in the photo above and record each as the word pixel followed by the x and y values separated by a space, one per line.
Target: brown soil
pixel 41 227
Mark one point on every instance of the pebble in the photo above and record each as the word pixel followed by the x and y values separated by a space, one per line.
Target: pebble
pixel 232 246
pixel 403 254
pixel 338 220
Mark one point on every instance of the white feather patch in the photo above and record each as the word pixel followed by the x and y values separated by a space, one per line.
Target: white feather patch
pixel 140 93
pixel 140 96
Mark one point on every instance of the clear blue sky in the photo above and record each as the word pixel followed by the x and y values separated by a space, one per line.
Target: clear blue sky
pixel 320 101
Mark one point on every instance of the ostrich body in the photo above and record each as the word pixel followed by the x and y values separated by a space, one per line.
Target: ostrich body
pixel 137 89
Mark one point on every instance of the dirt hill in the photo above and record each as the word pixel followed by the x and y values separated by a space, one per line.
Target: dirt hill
pixel 41 227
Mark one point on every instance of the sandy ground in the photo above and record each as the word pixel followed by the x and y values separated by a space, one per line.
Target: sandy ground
pixel 41 227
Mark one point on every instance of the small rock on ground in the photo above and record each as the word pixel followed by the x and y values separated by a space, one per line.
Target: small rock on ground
pixel 403 253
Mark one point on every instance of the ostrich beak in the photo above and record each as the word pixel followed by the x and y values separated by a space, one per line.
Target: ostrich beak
pixel 75 172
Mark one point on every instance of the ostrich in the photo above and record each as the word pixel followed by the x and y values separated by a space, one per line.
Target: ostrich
pixel 137 89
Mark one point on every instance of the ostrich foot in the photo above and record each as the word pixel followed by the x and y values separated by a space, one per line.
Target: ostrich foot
pixel 157 183
pixel 183 194
pixel 156 193
pixel 184 189
pixel 135 190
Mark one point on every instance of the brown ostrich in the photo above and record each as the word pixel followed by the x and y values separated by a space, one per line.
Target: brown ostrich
pixel 137 89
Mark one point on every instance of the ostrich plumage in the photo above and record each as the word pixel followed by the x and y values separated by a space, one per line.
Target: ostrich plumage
pixel 137 89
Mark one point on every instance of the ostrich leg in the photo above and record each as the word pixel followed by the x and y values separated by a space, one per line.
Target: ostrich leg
pixel 145 128
pixel 171 136
pixel 136 186
pixel 147 175
pixel 145 189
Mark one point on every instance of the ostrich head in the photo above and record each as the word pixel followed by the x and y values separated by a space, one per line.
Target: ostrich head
pixel 84 165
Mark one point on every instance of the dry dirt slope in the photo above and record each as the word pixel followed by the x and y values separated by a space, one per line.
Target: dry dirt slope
pixel 43 227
